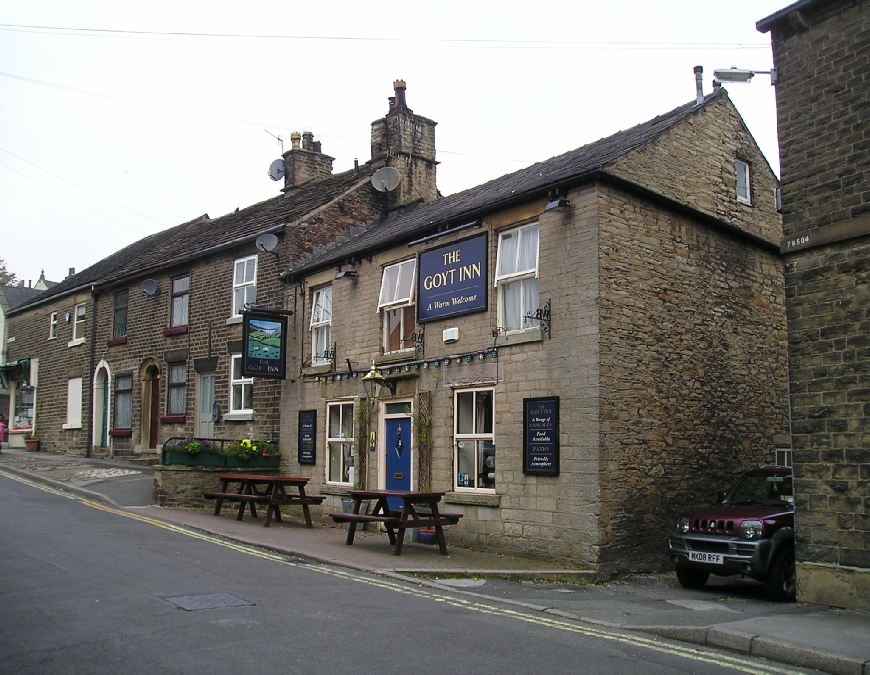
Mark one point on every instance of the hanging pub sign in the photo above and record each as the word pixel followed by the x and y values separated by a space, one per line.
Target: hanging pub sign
pixel 307 435
pixel 452 280
pixel 264 345
pixel 541 436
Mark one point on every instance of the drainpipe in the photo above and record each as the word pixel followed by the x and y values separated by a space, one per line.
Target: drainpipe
pixel 90 434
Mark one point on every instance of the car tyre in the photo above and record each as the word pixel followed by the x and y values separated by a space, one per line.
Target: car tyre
pixel 690 578
pixel 781 582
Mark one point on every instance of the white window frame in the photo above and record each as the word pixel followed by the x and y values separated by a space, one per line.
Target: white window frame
pixel 398 298
pixel 502 281
pixel 741 166
pixel 340 443
pixel 73 403
pixel 52 326
pixel 78 328
pixel 478 437
pixel 244 285
pixel 242 381
pixel 321 326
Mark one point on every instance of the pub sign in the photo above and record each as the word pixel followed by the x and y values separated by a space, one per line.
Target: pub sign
pixel 452 280
pixel 307 437
pixel 264 345
pixel 541 436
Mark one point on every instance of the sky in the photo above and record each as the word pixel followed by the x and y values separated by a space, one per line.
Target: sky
pixel 120 119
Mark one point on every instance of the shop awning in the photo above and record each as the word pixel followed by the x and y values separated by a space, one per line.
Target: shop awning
pixel 14 371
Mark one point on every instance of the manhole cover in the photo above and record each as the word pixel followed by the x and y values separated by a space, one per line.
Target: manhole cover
pixel 192 603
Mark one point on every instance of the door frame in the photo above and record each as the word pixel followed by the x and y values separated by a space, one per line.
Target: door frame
pixel 382 438
pixel 199 400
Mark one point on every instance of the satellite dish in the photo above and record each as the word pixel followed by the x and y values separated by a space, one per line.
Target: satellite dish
pixel 266 242
pixel 148 287
pixel 276 169
pixel 386 179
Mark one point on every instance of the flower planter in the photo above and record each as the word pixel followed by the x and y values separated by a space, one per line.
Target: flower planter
pixel 183 458
pixel 428 537
pixel 31 444
pixel 255 462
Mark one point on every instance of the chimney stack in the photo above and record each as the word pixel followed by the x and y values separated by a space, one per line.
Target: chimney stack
pixel 304 161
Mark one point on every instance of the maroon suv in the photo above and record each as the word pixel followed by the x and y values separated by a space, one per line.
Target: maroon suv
pixel 749 532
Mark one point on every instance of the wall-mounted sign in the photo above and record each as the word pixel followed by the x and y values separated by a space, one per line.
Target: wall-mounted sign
pixel 541 436
pixel 307 437
pixel 452 280
pixel 264 346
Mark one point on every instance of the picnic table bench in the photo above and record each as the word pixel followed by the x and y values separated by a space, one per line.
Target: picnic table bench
pixel 419 510
pixel 265 490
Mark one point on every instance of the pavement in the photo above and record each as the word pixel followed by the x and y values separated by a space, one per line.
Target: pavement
pixel 729 613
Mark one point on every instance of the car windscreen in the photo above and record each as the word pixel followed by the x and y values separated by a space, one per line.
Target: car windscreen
pixel 761 489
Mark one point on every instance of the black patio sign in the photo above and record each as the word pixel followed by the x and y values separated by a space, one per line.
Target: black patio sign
pixel 307 437
pixel 541 436
pixel 264 345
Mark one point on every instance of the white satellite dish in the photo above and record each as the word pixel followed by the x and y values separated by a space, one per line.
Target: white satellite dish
pixel 386 179
pixel 276 169
pixel 266 242
pixel 148 287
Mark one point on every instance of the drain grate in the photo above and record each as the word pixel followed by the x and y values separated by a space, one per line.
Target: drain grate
pixel 192 603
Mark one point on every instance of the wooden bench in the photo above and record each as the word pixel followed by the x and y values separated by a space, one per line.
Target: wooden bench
pixel 273 496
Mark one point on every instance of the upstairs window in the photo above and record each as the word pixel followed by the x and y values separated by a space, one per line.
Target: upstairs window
pixel 321 326
pixel 52 326
pixel 244 284
pixel 180 301
pixel 743 185
pixel 516 277
pixel 78 319
pixel 119 326
pixel 396 304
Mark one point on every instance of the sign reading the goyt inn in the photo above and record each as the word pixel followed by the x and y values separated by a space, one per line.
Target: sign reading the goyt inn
pixel 452 280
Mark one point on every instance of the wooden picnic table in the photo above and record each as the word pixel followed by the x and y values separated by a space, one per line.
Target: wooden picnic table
pixel 419 510
pixel 269 490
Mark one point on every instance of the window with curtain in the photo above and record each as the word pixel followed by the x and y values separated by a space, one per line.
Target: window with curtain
pixel 123 401
pixel 244 283
pixel 516 278
pixel 119 326
pixel 396 304
pixel 473 433
pixel 339 442
pixel 180 301
pixel 321 326
pixel 177 389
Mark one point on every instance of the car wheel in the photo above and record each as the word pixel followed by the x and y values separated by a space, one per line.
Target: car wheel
pixel 689 578
pixel 781 582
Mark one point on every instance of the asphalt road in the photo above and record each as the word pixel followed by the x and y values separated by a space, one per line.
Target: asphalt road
pixel 88 589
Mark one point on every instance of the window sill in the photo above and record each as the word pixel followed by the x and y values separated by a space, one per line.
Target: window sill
pixel 320 369
pixel 75 343
pixel 172 419
pixel 121 433
pixel 76 425
pixel 473 498
pixel 336 489
pixel 396 357
pixel 519 337
pixel 241 416
pixel 116 341
pixel 178 330
pixel 233 320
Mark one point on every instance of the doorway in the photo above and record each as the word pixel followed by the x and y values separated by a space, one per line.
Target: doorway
pixel 205 417
pixel 150 428
pixel 397 448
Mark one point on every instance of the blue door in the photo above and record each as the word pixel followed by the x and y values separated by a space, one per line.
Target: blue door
pixel 397 439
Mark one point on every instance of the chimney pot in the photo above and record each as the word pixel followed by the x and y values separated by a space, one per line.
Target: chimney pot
pixel 399 87
pixel 294 140
pixel 72 270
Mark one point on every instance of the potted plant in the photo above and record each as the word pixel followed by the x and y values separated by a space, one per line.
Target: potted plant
pixel 252 453
pixel 31 442
pixel 191 452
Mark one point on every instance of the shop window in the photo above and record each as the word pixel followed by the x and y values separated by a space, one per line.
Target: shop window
pixel 123 402
pixel 339 443
pixel 180 301
pixel 52 326
pixel 120 322
pixel 244 284
pixel 474 439
pixel 23 412
pixel 744 193
pixel 516 277
pixel 73 403
pixel 177 389
pixel 398 312
pixel 241 388
pixel 321 326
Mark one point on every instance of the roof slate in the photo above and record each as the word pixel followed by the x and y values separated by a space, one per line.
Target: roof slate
pixel 17 295
pixel 200 236
pixel 530 182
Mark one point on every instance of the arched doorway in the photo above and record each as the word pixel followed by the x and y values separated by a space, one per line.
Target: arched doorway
pixel 102 406
pixel 150 406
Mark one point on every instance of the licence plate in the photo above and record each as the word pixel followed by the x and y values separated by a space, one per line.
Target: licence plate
pixel 709 558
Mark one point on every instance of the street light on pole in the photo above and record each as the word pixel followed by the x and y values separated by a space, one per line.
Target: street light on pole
pixel 743 75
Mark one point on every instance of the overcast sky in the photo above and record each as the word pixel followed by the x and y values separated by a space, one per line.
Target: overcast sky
pixel 119 119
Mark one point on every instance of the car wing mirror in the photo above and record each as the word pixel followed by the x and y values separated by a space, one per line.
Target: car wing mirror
pixel 720 496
